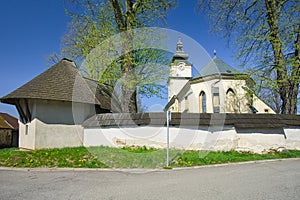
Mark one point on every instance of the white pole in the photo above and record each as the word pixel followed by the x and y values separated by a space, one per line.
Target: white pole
pixel 168 135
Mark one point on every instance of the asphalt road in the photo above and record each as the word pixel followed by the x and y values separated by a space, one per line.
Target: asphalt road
pixel 266 180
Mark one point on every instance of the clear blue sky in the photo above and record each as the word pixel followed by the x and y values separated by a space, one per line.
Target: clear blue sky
pixel 32 29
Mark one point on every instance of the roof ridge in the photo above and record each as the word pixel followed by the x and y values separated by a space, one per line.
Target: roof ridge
pixel 216 66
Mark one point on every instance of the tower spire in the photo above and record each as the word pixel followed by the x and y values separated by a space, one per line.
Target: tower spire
pixel 179 47
pixel 180 54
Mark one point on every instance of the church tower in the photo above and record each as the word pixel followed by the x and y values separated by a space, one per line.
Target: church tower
pixel 180 71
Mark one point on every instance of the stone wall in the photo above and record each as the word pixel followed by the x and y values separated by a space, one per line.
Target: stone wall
pixel 5 138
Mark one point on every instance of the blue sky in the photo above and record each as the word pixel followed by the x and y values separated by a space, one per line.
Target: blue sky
pixel 32 29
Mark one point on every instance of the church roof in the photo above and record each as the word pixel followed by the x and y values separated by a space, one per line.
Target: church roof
pixel 216 67
pixel 62 82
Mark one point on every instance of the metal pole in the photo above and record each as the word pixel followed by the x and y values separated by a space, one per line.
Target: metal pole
pixel 168 135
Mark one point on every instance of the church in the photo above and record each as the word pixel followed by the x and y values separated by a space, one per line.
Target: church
pixel 217 88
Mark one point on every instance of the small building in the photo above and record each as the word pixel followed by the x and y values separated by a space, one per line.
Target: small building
pixel 53 105
pixel 217 88
pixel 9 131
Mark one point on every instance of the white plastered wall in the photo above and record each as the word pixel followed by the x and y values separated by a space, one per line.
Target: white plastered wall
pixel 154 136
pixel 194 138
pixel 179 76
pixel 55 124
pixel 27 138
pixel 192 93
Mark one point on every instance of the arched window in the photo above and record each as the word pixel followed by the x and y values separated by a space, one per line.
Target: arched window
pixel 202 102
pixel 231 104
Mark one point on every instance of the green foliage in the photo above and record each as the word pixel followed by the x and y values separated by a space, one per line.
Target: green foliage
pixel 102 34
pixel 266 36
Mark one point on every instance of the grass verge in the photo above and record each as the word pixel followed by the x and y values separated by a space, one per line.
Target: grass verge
pixel 141 157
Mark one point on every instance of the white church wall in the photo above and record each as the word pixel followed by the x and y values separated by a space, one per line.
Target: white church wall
pixel 174 86
pixel 181 69
pixel 241 98
pixel 223 86
pixel 261 106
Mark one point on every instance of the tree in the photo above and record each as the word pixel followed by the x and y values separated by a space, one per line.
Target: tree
pixel 95 23
pixel 266 34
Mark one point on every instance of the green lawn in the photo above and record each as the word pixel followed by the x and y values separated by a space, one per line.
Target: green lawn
pixel 107 157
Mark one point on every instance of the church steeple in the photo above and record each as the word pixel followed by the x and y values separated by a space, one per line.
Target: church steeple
pixel 179 48
pixel 180 54
pixel 180 70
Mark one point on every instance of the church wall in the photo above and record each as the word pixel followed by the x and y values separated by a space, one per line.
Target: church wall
pixel 261 106
pixel 238 103
pixel 207 86
pixel 174 86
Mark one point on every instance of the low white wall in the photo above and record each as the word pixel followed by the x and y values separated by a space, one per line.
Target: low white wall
pixel 258 143
pixel 154 136
pixel 191 138
pixel 293 138
pixel 27 139
pixel 41 135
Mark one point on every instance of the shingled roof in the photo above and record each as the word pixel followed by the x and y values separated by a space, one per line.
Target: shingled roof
pixel 216 67
pixel 62 82
pixel 240 121
pixel 8 122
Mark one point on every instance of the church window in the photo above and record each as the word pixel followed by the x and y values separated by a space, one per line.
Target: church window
pixel 216 99
pixel 202 102
pixel 26 129
pixel 186 103
pixel 231 104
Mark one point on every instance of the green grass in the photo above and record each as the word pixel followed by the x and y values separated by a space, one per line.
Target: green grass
pixel 197 158
pixel 66 157
pixel 140 157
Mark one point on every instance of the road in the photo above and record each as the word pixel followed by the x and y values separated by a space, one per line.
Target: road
pixel 263 180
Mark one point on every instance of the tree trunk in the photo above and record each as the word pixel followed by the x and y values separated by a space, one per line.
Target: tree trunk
pixel 125 23
pixel 285 85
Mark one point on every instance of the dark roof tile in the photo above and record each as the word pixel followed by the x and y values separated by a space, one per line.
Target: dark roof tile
pixel 62 82
pixel 11 121
pixel 216 67
pixel 240 121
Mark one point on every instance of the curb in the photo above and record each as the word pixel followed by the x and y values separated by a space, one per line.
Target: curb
pixel 139 170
